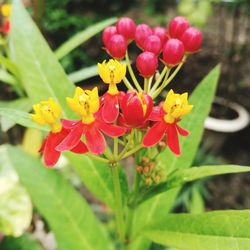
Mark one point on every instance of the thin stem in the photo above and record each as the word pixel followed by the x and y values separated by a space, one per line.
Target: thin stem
pixel 146 82
pixel 98 158
pixel 127 145
pixel 131 72
pixel 118 203
pixel 169 79
pixel 127 83
pixel 132 151
pixel 158 81
pixel 150 83
pixel 116 148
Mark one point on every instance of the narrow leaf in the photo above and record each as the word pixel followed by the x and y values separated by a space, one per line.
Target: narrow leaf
pixel 82 36
pixel 67 213
pixel 220 230
pixel 83 74
pixel 41 73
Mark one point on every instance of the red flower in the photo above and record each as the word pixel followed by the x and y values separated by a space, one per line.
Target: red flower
pixel 95 140
pixel 5 28
pixel 136 107
pixel 166 116
pixel 52 140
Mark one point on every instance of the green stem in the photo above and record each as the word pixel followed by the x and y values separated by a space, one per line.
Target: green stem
pixel 146 82
pixel 131 72
pixel 127 83
pixel 132 151
pixel 95 157
pixel 168 80
pixel 156 84
pixel 116 148
pixel 127 145
pixel 118 203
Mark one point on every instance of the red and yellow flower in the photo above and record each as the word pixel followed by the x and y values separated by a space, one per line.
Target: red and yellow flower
pixel 166 116
pixel 6 13
pixel 86 104
pixel 47 113
pixel 111 73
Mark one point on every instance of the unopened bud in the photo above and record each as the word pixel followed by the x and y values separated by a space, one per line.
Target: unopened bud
pixel 139 169
pixel 146 170
pixel 117 46
pixel 192 39
pixel 148 181
pixel 145 159
pixel 177 26
pixel 126 27
pixel 141 33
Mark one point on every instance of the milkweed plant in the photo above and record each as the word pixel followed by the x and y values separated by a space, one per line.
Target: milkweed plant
pixel 148 125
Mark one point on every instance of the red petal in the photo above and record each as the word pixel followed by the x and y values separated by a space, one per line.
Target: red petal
pixel 50 155
pixel 154 134
pixel 72 139
pixel 111 130
pixel 80 148
pixel 156 114
pixel 172 139
pixel 182 131
pixel 110 109
pixel 95 140
pixel 68 124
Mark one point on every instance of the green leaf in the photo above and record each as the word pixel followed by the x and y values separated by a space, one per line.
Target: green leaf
pixel 25 242
pixel 42 75
pixel 19 117
pixel 5 77
pixel 97 177
pixel 82 37
pixel 15 204
pixel 83 74
pixel 183 176
pixel 65 210
pixel 201 98
pixel 220 230
pixel 22 104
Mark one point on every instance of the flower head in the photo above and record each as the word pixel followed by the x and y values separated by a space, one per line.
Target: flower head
pixel 166 117
pixel 85 103
pixel 6 10
pixel 175 106
pixel 47 112
pixel 112 73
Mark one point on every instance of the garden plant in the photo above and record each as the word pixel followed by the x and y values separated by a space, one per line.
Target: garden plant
pixel 156 132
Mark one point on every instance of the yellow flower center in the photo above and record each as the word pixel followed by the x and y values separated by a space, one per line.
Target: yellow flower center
pixel 112 73
pixel 85 103
pixel 175 106
pixel 47 112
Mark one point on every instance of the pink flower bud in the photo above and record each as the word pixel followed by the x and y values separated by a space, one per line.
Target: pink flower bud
pixel 173 51
pixel 192 39
pixel 142 31
pixel 177 26
pixel 161 33
pixel 152 44
pixel 136 107
pixel 126 27
pixel 147 63
pixel 107 33
pixel 117 46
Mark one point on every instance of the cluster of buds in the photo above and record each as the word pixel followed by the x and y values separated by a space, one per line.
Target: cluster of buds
pixel 132 115
pixel 173 42
pixel 5 18
pixel 151 173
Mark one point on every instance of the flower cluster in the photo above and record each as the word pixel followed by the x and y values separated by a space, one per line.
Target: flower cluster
pixel 5 18
pixel 131 116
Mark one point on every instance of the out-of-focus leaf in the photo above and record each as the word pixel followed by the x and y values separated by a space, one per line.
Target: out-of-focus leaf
pixel 97 177
pixel 82 36
pixel 22 104
pixel 83 74
pixel 7 78
pixel 15 204
pixel 197 203
pixel 19 117
pixel 221 230
pixel 201 98
pixel 24 242
pixel 65 210
pixel 42 75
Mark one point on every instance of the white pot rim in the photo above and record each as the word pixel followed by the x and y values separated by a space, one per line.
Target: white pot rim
pixel 228 126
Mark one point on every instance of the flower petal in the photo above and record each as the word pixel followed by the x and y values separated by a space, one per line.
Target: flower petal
pixel 69 124
pixel 111 130
pixel 110 109
pixel 95 140
pixel 72 139
pixel 156 114
pixel 182 131
pixel 80 148
pixel 154 134
pixel 172 139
